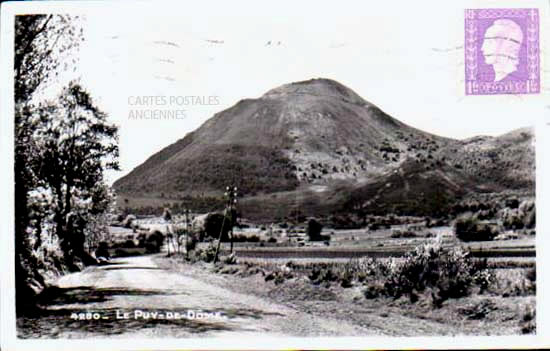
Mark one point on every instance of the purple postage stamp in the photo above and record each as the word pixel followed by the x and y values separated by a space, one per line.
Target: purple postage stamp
pixel 501 51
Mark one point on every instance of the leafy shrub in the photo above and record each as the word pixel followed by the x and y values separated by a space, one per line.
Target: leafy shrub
pixel 531 281
pixel 154 241
pixel 322 275
pixel 469 228
pixel 527 323
pixel 511 219
pixel 529 221
pixel 280 274
pixel 450 273
pixel 142 238
pixel 346 278
pixel 207 254
pixel 519 217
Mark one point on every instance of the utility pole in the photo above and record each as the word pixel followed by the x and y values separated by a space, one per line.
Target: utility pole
pixel 186 211
pixel 231 198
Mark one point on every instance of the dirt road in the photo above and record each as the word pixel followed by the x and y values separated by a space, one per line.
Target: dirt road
pixel 134 297
pixel 155 297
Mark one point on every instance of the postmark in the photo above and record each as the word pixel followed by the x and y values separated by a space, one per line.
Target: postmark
pixel 501 51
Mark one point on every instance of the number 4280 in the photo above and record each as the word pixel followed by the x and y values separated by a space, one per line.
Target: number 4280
pixel 85 316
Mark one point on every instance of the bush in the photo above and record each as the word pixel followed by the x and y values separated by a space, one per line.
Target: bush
pixel 528 322
pixel 207 254
pixel 530 219
pixel 279 275
pixel 469 228
pixel 102 250
pixel 511 219
pixel 522 216
pixel 346 278
pixel 449 273
pixel 142 238
pixel 528 210
pixel 153 242
pixel 322 275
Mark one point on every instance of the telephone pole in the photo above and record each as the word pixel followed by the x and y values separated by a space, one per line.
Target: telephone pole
pixel 186 211
pixel 231 198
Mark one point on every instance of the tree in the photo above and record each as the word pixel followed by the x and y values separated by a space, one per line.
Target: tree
pixel 75 145
pixel 216 223
pixel 41 44
pixel 314 229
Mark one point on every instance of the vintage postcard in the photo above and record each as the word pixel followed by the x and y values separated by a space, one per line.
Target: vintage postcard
pixel 246 175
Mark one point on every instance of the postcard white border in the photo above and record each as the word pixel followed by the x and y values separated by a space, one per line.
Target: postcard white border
pixel 8 333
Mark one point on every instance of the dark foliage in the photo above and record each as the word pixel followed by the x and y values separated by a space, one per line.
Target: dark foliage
pixel 469 228
pixel 314 230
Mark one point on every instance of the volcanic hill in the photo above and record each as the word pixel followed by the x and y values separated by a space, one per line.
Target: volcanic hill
pixel 318 147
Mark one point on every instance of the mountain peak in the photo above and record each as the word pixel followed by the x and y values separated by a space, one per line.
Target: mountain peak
pixel 319 134
pixel 322 87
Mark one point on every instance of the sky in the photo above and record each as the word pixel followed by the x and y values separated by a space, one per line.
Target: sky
pixel 407 59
